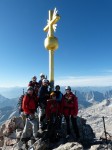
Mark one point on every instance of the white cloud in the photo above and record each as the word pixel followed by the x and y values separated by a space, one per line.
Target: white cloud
pixel 84 81
pixel 68 80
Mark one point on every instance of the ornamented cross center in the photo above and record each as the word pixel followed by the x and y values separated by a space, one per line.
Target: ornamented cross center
pixel 51 25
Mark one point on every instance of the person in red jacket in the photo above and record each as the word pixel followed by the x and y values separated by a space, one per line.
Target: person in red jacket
pixel 70 111
pixel 29 106
pixel 53 111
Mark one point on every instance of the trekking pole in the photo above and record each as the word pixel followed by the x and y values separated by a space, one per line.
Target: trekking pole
pixel 23 91
pixel 105 129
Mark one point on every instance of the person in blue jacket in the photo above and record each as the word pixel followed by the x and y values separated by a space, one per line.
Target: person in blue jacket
pixel 59 97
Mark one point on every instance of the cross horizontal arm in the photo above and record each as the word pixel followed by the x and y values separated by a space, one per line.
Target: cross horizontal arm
pixel 53 21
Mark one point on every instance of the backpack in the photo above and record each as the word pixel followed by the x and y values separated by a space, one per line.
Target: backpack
pixel 19 105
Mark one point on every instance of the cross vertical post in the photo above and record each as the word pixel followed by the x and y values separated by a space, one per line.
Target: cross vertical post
pixel 51 43
pixel 51 55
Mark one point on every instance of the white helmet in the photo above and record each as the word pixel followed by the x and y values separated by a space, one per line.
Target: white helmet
pixel 41 74
pixel 45 81
pixel 67 88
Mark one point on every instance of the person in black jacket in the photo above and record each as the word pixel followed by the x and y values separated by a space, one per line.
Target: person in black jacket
pixel 43 95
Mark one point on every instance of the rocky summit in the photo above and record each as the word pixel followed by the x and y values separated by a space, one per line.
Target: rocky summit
pixel 94 126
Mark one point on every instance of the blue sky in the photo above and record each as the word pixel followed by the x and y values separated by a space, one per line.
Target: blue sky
pixel 85 42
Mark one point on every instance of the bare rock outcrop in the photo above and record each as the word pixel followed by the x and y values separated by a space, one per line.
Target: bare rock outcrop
pixel 70 146
pixel 11 130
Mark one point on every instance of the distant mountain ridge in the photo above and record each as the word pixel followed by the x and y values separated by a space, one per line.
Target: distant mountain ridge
pixel 87 97
pixel 14 92
pixel 7 102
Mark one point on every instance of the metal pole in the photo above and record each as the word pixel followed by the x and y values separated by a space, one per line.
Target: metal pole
pixel 51 56
pixel 23 91
pixel 105 129
pixel 51 69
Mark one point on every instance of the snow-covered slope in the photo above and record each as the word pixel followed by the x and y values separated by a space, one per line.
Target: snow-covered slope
pixel 6 113
pixel 95 114
pixel 7 107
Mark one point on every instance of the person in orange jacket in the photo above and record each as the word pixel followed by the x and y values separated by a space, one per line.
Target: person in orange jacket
pixel 53 112
pixel 70 111
pixel 52 107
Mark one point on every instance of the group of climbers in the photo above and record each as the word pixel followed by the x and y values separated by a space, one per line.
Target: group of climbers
pixel 50 106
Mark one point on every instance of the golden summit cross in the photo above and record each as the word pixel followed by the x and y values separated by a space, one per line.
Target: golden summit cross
pixel 51 42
